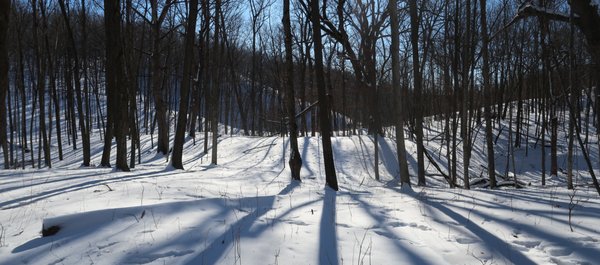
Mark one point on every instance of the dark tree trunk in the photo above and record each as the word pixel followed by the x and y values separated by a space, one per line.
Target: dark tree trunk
pixel 85 137
pixel 330 175
pixel 41 81
pixel 118 100
pixel 417 79
pixel 465 116
pixel 395 50
pixel 158 91
pixel 295 159
pixel 176 159
pixel 215 88
pixel 4 20
pixel 488 97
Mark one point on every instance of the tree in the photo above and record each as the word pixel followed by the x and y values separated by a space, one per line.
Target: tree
pixel 395 51
pixel 4 20
pixel 295 159
pixel 485 71
pixel 586 17
pixel 417 86
pixel 158 92
pixel 215 88
pixel 117 94
pixel 190 30
pixel 72 51
pixel 367 23
pixel 258 9
pixel 41 68
pixel 467 59
pixel 324 120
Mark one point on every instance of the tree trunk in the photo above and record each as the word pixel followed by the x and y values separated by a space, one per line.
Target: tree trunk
pixel 41 65
pixel 295 159
pixel 488 96
pixel 574 110
pixel 177 156
pixel 4 20
pixel 417 83
pixel 465 131
pixel 85 137
pixel 158 91
pixel 118 100
pixel 215 88
pixel 324 122
pixel 395 51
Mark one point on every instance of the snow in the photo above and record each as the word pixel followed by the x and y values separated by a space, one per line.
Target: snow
pixel 245 210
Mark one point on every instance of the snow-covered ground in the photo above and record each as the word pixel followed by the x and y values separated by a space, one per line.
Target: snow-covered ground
pixel 245 210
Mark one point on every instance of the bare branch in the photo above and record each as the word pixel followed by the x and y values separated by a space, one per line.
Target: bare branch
pixel 527 9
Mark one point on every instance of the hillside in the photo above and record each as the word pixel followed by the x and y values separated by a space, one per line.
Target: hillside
pixel 246 211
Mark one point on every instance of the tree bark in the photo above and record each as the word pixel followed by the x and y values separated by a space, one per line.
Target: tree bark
pixel 118 100
pixel 158 91
pixel 85 137
pixel 4 20
pixel 417 86
pixel 324 121
pixel 395 51
pixel 176 159
pixel 488 96
pixel 40 84
pixel 295 159
pixel 215 88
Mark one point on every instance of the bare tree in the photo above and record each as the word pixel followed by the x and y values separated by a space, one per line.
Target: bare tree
pixel 42 69
pixel 72 51
pixel 258 8
pixel 295 159
pixel 190 30
pixel 417 86
pixel 395 51
pixel 324 120
pixel 367 23
pixel 485 71
pixel 215 87
pixel 4 20
pixel 158 91
pixel 117 101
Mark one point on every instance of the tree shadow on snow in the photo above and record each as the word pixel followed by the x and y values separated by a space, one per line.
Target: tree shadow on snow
pixel 75 228
pixel 328 248
pixel 386 230
pixel 494 244
pixel 227 242
pixel 92 180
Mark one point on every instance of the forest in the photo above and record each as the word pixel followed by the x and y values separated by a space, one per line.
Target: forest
pixel 158 65
pixel 460 95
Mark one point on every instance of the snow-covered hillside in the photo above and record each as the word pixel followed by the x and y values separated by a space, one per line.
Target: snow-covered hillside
pixel 246 211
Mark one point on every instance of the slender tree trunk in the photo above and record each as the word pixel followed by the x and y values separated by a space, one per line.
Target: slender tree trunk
pixel 162 145
pixel 215 88
pixel 330 175
pixel 177 156
pixel 417 79
pixel 40 66
pixel 85 137
pixel 4 20
pixel 465 120
pixel 489 136
pixel 158 91
pixel 395 51
pixel 574 113
pixel 295 159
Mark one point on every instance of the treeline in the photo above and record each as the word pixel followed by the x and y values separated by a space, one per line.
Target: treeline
pixel 149 66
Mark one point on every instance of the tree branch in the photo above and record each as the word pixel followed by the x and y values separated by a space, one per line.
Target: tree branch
pixel 527 9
